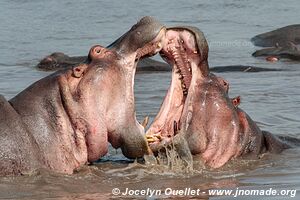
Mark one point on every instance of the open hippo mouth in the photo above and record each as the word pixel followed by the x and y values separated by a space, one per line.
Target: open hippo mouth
pixel 110 114
pixel 185 49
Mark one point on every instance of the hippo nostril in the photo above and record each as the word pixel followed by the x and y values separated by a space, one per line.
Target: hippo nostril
pixel 97 50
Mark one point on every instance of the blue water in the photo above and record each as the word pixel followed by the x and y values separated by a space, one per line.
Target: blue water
pixel 32 29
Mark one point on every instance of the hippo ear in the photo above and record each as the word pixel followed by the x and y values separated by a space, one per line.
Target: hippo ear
pixel 236 101
pixel 79 70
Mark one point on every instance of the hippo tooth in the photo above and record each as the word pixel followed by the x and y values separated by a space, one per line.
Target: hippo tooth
pixel 195 51
pixel 190 69
pixel 159 45
pixel 183 86
pixel 145 121
pixel 150 140
pixel 158 137
pixel 149 136
pixel 185 92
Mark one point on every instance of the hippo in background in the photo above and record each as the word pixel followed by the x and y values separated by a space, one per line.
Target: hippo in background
pixel 198 112
pixel 59 60
pixel 289 51
pixel 281 43
pixel 66 119
pixel 280 36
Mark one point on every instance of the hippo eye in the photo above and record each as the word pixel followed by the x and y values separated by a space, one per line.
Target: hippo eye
pixel 98 51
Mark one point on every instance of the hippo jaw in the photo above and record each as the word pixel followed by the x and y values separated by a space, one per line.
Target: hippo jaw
pixel 116 66
pixel 186 50
pixel 144 39
pixel 196 109
pixel 140 39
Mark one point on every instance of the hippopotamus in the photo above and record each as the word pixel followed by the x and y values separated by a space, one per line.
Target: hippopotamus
pixel 68 118
pixel 280 36
pixel 198 111
pixel 289 50
pixel 282 43
pixel 59 60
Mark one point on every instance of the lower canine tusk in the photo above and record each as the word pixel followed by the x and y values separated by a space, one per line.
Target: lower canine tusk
pixel 145 121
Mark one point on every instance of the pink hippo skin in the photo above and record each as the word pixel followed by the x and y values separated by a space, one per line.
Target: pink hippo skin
pixel 198 111
pixel 66 120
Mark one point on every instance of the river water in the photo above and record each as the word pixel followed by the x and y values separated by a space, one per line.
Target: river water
pixel 32 29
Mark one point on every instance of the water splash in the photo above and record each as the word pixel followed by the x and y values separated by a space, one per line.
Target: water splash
pixel 174 157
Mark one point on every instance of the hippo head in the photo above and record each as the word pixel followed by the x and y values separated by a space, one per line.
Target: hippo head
pixel 197 105
pixel 186 50
pixel 103 86
pixel 136 40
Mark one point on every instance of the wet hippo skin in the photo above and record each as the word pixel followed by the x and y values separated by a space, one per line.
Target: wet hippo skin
pixel 282 43
pixel 280 36
pixel 66 119
pixel 59 60
pixel 198 111
pixel 289 51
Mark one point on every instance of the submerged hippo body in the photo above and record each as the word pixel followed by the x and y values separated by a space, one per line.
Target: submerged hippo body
pixel 198 110
pixel 67 119
pixel 59 60
pixel 289 50
pixel 282 43
pixel 279 37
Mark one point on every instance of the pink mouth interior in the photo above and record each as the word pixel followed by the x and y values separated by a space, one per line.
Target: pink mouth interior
pixel 180 51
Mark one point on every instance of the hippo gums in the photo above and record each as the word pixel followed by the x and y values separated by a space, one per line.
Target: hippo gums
pixel 67 119
pixel 197 107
